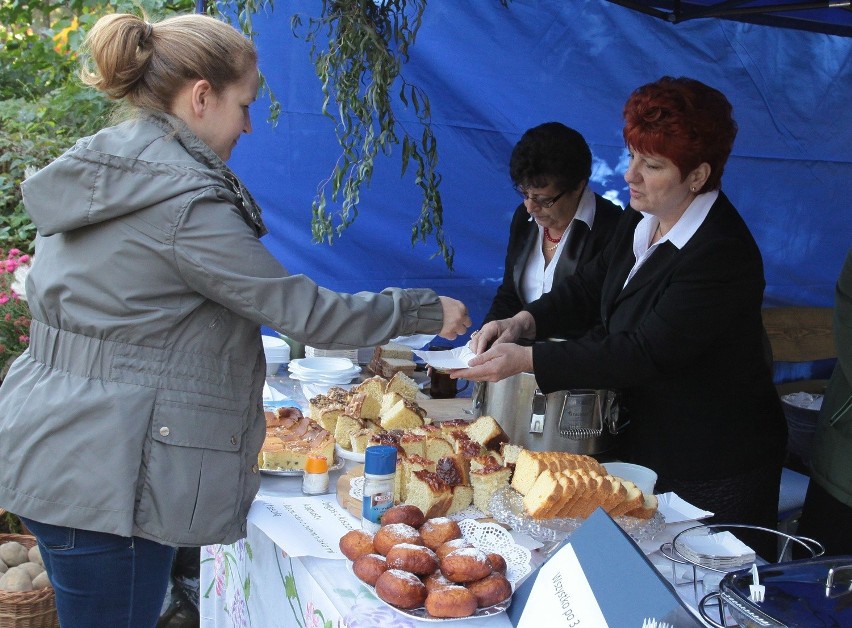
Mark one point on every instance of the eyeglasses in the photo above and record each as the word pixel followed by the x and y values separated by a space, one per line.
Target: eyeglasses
pixel 544 202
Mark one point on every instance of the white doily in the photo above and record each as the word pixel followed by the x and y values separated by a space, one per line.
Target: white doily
pixel 490 537
pixel 356 491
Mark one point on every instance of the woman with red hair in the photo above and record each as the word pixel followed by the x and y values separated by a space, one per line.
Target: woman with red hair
pixel 678 291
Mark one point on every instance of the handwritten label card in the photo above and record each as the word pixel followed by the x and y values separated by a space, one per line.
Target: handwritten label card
pixel 598 578
pixel 562 596
pixel 303 526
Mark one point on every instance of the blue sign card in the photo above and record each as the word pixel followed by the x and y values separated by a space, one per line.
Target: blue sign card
pixel 598 577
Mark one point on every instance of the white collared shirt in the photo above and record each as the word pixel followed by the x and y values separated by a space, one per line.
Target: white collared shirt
pixel 679 235
pixel 537 277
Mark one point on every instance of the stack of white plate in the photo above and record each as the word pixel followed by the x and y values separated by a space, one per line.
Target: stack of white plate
pixel 330 371
pixel 277 353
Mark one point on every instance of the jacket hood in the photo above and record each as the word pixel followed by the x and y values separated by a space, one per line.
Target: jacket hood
pixel 107 175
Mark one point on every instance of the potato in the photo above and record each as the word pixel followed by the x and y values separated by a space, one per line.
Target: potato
pixel 33 569
pixel 41 581
pixel 13 553
pixel 34 554
pixel 16 579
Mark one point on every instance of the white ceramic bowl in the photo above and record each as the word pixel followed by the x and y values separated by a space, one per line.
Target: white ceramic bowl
pixel 643 477
pixel 322 365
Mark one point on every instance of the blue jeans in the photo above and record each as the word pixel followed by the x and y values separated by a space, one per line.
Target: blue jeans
pixel 103 579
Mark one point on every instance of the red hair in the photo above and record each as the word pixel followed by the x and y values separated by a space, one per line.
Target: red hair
pixel 683 120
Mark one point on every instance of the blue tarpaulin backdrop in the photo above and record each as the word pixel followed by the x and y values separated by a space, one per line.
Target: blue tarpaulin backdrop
pixel 492 72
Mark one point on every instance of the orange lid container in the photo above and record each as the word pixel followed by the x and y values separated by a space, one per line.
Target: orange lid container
pixel 316 464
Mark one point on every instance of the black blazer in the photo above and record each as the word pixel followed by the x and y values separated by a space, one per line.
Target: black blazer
pixel 683 342
pixel 582 245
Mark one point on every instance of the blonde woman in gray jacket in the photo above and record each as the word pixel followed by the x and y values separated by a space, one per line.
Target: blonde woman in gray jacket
pixel 132 423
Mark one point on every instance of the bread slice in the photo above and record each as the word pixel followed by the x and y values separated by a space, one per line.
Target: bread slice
pixel 453 470
pixel 528 467
pixel 404 385
pixel 649 507
pixel 399 413
pixel 484 461
pixel 543 495
pixel 578 490
pixel 374 389
pixel 413 444
pixel 405 466
pixel 462 498
pixel 346 426
pixel 510 453
pixel 429 493
pixel 617 494
pixel 487 432
pixel 359 440
pixel 598 488
pixel 568 488
pixel 388 367
pixel 327 416
pixel 485 483
pixel 393 350
pixel 585 488
pixel 437 447
pixel 634 499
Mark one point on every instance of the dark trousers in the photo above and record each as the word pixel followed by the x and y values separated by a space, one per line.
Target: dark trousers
pixel 826 520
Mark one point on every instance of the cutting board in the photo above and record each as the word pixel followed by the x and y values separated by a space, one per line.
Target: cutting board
pixel 352 505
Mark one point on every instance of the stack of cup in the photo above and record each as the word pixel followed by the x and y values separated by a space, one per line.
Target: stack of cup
pixel 277 353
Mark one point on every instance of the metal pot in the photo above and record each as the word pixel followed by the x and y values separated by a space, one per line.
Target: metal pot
pixel 576 421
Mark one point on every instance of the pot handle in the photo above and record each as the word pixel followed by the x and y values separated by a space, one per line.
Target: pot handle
pixel 478 396
pixel 703 611
pixel 612 413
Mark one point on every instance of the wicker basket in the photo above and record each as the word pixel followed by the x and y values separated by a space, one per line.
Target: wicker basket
pixel 27 609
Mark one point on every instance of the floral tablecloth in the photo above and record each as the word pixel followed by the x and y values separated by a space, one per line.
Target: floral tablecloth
pixel 254 583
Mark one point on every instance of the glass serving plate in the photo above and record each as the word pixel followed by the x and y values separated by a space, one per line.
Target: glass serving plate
pixel 507 507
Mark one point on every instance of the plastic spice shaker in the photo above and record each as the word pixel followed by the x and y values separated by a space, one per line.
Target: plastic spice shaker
pixel 379 472
pixel 315 480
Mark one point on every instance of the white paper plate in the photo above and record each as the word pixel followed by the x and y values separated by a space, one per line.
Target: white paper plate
pixel 329 381
pixel 331 375
pixel 322 365
pixel 346 454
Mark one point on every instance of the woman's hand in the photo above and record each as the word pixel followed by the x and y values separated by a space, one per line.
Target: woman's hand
pixel 499 362
pixel 456 318
pixel 521 325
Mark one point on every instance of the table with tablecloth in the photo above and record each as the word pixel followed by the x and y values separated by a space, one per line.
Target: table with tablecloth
pixel 256 583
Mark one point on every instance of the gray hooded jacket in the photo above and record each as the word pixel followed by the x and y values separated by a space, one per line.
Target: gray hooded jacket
pixel 137 409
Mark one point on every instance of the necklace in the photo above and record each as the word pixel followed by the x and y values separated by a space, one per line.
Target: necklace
pixel 548 237
pixel 550 248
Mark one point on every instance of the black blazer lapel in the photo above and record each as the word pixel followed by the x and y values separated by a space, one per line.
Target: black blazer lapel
pixel 654 266
pixel 571 252
pixel 521 260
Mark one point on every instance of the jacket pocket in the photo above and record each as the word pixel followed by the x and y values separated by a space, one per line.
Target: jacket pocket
pixel 192 473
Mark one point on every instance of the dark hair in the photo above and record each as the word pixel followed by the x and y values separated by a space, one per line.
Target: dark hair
pixel 551 153
pixel 683 120
pixel 146 64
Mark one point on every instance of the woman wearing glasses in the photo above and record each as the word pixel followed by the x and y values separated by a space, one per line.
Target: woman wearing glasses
pixel 678 291
pixel 560 225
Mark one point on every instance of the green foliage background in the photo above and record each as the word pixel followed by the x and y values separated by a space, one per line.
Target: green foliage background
pixel 44 108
